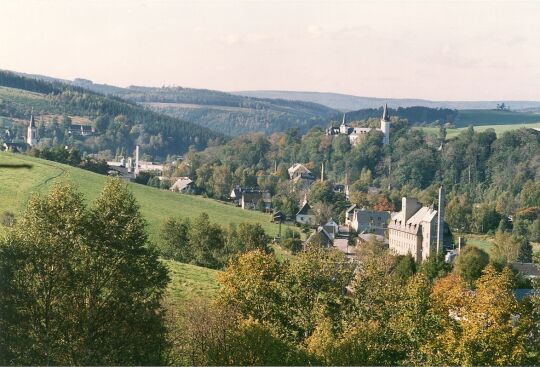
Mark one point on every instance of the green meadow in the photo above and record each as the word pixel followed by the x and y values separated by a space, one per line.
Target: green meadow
pixel 190 282
pixel 499 129
pixel 16 186
pixel 494 117
pixel 187 281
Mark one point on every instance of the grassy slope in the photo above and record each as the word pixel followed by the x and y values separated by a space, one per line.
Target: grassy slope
pixel 494 117
pixel 499 129
pixel 485 242
pixel 190 282
pixel 156 205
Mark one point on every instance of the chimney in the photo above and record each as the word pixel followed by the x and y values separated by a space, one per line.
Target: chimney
pixel 440 220
pixel 409 206
pixel 137 161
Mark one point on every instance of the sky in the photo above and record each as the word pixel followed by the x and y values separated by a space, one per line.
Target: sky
pixel 439 50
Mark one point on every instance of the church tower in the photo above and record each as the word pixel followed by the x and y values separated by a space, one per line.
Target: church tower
pixel 31 134
pixel 385 125
pixel 343 129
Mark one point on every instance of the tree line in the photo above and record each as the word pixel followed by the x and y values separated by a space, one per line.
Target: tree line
pixel 82 285
pixel 321 309
pixel 488 179
pixel 118 122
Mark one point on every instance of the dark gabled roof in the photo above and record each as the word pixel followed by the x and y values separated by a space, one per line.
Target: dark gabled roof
pixel 279 215
pixel 323 235
pixel 305 210
pixel 521 293
pixel 527 269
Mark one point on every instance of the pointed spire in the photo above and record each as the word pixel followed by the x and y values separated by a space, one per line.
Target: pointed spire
pixel 32 122
pixel 385 112
pixel 343 122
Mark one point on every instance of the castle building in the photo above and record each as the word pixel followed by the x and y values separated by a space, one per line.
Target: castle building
pixel 31 134
pixel 417 230
pixel 356 134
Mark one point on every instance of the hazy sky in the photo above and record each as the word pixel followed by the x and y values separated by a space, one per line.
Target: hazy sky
pixel 424 49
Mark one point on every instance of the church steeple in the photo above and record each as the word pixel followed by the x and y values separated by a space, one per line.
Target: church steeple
pixel 31 134
pixel 343 129
pixel 385 113
pixel 385 125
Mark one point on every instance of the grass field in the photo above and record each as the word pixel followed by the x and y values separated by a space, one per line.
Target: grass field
pixel 189 282
pixel 499 129
pixel 25 99
pixel 485 242
pixel 494 117
pixel 16 186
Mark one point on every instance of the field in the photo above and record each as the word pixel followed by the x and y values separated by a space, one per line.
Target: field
pixel 190 282
pixel 16 186
pixel 494 117
pixel 25 99
pixel 499 129
pixel 485 242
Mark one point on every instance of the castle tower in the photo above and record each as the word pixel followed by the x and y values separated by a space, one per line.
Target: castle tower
pixel 31 134
pixel 385 125
pixel 343 129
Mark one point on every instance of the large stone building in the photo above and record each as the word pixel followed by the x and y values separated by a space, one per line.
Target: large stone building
pixel 367 221
pixel 417 230
pixel 356 134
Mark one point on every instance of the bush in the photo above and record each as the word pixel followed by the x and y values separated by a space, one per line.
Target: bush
pixel 7 218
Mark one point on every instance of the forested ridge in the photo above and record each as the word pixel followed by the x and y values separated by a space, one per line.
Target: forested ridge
pixel 119 124
pixel 488 179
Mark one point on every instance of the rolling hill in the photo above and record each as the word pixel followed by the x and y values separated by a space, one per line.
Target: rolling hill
pixel 118 123
pixel 223 112
pixel 346 102
pixel 156 205
pixel 465 118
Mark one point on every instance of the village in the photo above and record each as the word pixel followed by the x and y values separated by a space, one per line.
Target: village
pixel 416 230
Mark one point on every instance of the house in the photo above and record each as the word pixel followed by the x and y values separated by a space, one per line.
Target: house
pixel 236 194
pixel 322 237
pixel 303 181
pixel 417 230
pixel 306 215
pixel 297 170
pixel 363 220
pixel 366 237
pixel 527 270
pixel 183 184
pixel 331 228
pixel 250 198
pixel 15 147
pixel 129 169
pixel 81 130
pixel 338 188
pixel 349 213
pixel 278 217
